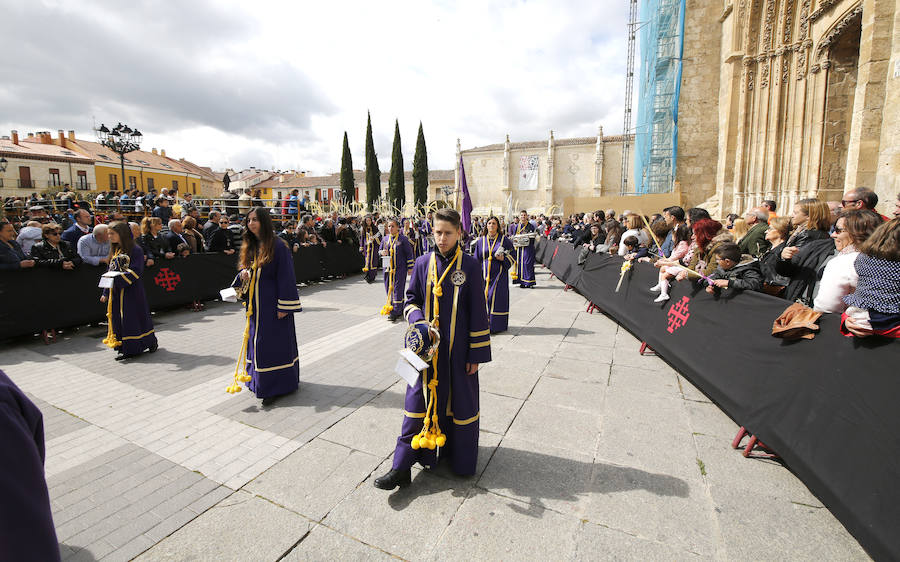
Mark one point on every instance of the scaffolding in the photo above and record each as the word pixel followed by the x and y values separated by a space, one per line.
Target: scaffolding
pixel 656 134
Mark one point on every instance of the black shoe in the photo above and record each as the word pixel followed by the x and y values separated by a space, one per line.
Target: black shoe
pixel 122 357
pixel 269 401
pixel 153 348
pixel 393 479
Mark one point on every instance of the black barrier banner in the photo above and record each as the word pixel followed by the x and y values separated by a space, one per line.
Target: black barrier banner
pixel 828 406
pixel 38 299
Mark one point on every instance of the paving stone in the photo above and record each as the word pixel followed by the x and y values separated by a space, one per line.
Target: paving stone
pixel 659 382
pixel 497 412
pixel 491 527
pixel 406 522
pixel 540 475
pixel 590 353
pixel 707 419
pixel 574 395
pixel 691 392
pixel 563 427
pixel 577 370
pixel 237 526
pixel 315 478
pixel 372 429
pixel 323 543
pixel 597 542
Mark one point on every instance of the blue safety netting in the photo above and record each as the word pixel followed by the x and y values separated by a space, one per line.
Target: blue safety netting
pixel 656 132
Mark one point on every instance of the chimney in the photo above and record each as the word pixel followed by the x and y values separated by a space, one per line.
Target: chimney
pixel 72 136
pixel 62 138
pixel 46 138
pixel 31 135
pixel 153 151
pixel 162 152
pixel 15 137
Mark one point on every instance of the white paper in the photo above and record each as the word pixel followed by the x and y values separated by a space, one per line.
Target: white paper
pixel 406 371
pixel 413 359
pixel 111 274
pixel 228 295
pixel 105 282
pixel 386 263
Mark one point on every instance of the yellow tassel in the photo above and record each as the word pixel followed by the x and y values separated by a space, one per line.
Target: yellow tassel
pixel 441 440
pixel 415 442
pixel 513 275
pixel 437 291
pixel 365 270
pixel 387 309
pixel 244 378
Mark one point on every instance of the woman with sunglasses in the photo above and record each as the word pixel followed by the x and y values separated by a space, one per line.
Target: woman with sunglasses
pixel 221 239
pixel 52 251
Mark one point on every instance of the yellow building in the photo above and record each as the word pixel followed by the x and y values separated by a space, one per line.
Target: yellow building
pixel 143 170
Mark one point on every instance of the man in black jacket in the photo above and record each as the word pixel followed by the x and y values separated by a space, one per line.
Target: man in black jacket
pixel 174 241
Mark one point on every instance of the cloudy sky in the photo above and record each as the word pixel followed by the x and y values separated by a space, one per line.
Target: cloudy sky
pixel 275 84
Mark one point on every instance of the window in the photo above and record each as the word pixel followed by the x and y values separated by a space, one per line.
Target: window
pixel 105 157
pixel 175 185
pixel 132 182
pixel 54 177
pixel 144 162
pixel 82 180
pixel 194 188
pixel 150 184
pixel 113 181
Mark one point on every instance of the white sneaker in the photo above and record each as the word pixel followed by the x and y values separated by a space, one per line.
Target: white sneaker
pixel 661 298
pixel 656 288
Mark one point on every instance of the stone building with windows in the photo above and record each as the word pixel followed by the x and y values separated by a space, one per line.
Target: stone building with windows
pixel 35 167
pixel 787 99
pixel 565 175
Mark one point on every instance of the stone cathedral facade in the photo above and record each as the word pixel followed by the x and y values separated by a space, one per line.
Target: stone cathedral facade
pixel 787 99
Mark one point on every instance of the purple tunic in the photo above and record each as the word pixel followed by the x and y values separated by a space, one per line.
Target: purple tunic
pixel 131 322
pixel 273 361
pixel 465 338
pixel 402 260
pixel 26 522
pixel 368 246
pixel 496 278
pixel 425 230
pixel 524 256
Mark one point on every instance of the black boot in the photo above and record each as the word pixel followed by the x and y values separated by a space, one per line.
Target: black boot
pixel 394 478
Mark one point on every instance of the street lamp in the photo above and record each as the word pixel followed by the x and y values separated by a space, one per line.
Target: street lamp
pixel 121 140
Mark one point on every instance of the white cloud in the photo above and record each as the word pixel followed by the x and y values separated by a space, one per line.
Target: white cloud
pixel 274 83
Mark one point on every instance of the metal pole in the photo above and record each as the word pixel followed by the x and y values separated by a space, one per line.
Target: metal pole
pixel 122 161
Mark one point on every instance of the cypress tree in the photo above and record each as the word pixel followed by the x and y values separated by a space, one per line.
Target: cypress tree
pixel 420 170
pixel 396 184
pixel 348 183
pixel 373 173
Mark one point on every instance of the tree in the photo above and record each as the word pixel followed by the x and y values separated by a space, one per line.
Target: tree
pixel 396 184
pixel 373 172
pixel 348 183
pixel 420 170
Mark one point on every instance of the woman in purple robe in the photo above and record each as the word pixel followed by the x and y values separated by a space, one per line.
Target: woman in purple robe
pixel 397 246
pixel 441 412
pixel 412 234
pixel 271 360
pixel 494 250
pixel 130 326
pixel 524 276
pixel 369 242
pixel 425 232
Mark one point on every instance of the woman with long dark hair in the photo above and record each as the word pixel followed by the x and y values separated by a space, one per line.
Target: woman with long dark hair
pixel 130 326
pixel 369 242
pixel 269 361
pixel 494 251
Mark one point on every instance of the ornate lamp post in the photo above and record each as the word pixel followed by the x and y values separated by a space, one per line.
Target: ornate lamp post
pixel 120 140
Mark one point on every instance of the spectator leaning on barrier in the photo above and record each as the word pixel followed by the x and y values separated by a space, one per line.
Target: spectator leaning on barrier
pixel 776 235
pixel 244 203
pixel 175 241
pixel 53 252
pixel 734 271
pixel 212 224
pixel 151 243
pixel 806 249
pixel 11 254
pixel 839 276
pixel 82 226
pixel 754 242
pixel 29 235
pixel 220 239
pixel 874 308
pixel 191 235
pixel 94 248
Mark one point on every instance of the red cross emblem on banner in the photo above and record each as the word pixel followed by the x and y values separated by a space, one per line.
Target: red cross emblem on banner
pixel 678 314
pixel 167 279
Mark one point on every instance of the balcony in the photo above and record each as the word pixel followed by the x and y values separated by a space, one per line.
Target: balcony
pixel 83 186
pixel 25 184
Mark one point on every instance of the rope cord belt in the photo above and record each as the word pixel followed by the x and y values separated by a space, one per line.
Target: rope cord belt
pixel 110 340
pixel 389 306
pixel 431 436
pixel 240 370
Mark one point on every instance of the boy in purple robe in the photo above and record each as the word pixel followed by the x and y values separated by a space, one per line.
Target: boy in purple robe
pixel 441 412
pixel 524 277
pixel 494 251
pixel 397 246
pixel 369 244
pixel 426 230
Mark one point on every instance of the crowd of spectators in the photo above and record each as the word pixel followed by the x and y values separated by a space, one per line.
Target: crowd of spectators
pixel 818 255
